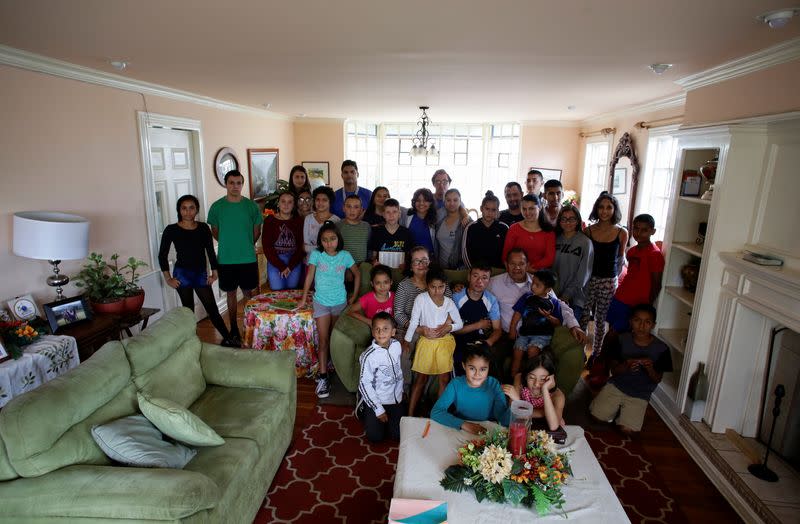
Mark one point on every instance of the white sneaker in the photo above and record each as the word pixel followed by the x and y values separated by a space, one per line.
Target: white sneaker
pixel 323 389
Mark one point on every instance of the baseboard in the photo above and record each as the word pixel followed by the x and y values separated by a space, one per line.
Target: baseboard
pixel 725 486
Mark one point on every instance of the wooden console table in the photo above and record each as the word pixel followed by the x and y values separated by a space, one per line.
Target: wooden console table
pixel 92 334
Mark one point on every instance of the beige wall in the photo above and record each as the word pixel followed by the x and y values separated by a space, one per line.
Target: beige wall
pixel 766 92
pixel 74 147
pixel 321 142
pixel 551 148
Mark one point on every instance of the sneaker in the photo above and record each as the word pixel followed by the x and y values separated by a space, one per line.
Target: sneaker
pixel 228 343
pixel 323 388
pixel 236 338
pixel 360 408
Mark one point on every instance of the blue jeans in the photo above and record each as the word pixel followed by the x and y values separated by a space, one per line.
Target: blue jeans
pixel 277 282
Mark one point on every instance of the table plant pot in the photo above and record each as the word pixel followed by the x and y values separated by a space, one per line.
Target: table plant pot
pixel 106 285
pixel 133 304
pixel 113 307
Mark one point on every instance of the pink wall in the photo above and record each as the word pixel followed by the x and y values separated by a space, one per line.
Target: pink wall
pixel 74 147
pixel 551 148
pixel 766 92
pixel 322 142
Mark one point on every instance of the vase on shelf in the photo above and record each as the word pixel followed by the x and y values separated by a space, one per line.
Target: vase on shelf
pixel 689 274
pixel 698 383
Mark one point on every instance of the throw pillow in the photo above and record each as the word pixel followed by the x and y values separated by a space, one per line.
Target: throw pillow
pixel 178 422
pixel 136 442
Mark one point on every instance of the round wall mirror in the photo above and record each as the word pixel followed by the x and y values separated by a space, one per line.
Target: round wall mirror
pixel 225 161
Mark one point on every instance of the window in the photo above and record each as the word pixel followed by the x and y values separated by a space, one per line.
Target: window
pixel 657 181
pixel 478 157
pixel 595 175
pixel 362 146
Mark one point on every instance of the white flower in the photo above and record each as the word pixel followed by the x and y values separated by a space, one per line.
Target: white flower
pixel 495 464
pixel 527 465
pixel 468 481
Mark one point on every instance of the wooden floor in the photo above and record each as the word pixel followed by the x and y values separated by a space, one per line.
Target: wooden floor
pixel 695 495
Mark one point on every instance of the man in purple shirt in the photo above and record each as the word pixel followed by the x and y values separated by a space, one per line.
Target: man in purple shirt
pixel 350 180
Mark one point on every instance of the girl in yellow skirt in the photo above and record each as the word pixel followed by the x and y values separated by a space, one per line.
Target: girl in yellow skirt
pixel 433 317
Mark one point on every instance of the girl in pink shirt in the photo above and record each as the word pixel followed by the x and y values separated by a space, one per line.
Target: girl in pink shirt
pixel 534 235
pixel 379 299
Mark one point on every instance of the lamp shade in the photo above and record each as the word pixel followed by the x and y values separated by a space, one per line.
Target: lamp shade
pixel 47 235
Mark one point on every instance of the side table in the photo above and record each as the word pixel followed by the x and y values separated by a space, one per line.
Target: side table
pixel 92 334
pixel 129 321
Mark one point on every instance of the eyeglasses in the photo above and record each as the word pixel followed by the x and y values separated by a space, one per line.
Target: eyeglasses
pixel 420 262
pixel 303 199
pixel 568 220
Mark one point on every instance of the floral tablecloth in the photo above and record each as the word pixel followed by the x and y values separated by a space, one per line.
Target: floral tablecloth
pixel 273 322
pixel 44 360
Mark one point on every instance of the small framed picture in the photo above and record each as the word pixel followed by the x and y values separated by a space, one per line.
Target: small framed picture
pixel 319 174
pixel 66 312
pixel 263 165
pixel 5 316
pixel 3 353
pixel 23 307
pixel 619 184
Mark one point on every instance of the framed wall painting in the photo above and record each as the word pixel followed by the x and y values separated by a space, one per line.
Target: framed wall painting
pixel 3 353
pixel 225 161
pixel 547 173
pixel 319 174
pixel 263 165
pixel 62 313
pixel 619 184
pixel 23 307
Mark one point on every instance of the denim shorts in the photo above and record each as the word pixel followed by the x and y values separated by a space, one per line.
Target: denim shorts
pixel 523 342
pixel 322 310
pixel 190 277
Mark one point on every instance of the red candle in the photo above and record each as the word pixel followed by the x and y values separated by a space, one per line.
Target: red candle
pixel 517 439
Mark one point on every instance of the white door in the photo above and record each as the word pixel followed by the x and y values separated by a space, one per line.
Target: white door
pixel 174 174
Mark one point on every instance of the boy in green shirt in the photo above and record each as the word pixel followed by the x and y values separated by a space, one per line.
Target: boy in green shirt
pixel 236 224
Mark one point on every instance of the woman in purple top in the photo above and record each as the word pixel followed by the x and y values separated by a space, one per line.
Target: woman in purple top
pixel 421 220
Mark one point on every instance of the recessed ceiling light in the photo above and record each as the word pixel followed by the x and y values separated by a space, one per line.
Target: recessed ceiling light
pixel 779 17
pixel 659 68
pixel 571 108
pixel 119 65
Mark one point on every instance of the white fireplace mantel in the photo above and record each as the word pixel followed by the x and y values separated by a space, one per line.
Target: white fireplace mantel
pixel 753 301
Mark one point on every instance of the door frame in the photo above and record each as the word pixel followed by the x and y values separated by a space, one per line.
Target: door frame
pixel 154 120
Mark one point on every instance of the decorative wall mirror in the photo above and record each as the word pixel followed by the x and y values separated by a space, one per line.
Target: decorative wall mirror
pixel 224 161
pixel 623 179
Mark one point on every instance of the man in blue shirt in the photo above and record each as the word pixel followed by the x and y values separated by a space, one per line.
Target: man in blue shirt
pixel 480 312
pixel 441 183
pixel 350 180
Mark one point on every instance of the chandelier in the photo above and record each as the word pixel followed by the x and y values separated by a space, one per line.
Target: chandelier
pixel 423 145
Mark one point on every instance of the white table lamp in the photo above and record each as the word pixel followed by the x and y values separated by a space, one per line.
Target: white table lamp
pixel 52 236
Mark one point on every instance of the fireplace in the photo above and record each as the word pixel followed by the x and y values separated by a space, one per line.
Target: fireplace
pixel 784 368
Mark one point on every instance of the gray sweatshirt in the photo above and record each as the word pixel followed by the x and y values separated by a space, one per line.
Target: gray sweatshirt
pixel 573 267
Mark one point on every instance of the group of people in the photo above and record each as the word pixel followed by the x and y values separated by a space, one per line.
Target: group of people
pixel 558 271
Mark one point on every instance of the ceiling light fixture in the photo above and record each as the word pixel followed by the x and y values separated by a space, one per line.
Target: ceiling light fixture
pixel 423 145
pixel 659 68
pixel 119 65
pixel 570 108
pixel 779 17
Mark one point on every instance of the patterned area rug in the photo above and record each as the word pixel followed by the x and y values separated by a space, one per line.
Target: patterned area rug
pixel 641 491
pixel 332 475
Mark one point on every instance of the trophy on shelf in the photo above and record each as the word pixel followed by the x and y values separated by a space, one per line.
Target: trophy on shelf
pixel 709 171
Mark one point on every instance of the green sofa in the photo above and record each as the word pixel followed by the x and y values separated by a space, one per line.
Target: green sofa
pixel 350 337
pixel 51 470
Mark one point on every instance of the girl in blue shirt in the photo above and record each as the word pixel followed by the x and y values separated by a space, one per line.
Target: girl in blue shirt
pixel 326 269
pixel 474 397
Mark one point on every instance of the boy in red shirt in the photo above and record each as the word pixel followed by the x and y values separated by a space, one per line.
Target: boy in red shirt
pixel 643 281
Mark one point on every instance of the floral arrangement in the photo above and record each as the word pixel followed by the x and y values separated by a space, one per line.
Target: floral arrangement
pixel 489 469
pixel 268 212
pixel 571 198
pixel 16 335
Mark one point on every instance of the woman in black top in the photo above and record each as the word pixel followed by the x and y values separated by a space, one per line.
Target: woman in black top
pixel 483 240
pixel 298 180
pixel 193 243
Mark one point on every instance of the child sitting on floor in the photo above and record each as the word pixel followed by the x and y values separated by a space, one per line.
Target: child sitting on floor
pixel 540 314
pixel 473 397
pixel 540 390
pixel 380 299
pixel 638 360
pixel 380 384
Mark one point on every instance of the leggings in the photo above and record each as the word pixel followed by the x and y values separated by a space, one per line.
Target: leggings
pixel 206 296
pixel 601 291
pixel 277 282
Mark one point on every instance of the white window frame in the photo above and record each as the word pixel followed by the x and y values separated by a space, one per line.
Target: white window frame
pixel 595 175
pixel 650 194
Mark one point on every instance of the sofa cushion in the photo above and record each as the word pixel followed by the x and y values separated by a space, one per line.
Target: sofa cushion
pixel 177 422
pixel 6 469
pixel 135 441
pixel 166 354
pixel 49 427
pixel 78 493
pixel 251 413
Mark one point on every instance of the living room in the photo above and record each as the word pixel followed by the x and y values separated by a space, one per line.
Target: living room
pixel 73 133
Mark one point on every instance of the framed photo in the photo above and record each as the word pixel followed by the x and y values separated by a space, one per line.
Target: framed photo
pixel 319 174
pixel 548 174
pixel 23 308
pixel 225 161
pixel 66 312
pixel 3 353
pixel 619 184
pixel 263 172
pixel 5 316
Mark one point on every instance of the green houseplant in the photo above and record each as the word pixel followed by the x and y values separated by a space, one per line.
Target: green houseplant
pixel 134 298
pixel 105 283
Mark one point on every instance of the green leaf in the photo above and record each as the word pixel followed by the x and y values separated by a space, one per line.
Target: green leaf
pixel 517 467
pixel 480 492
pixel 454 479
pixel 513 492
pixel 541 501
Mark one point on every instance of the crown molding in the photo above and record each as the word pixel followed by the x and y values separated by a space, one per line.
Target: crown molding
pixel 42 64
pixel 769 57
pixel 551 123
pixel 318 120
pixel 652 106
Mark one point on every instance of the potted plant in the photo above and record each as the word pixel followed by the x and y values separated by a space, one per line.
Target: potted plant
pixel 271 200
pixel 134 298
pixel 105 284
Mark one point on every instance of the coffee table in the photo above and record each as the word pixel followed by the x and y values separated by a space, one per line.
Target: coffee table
pixel 422 461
